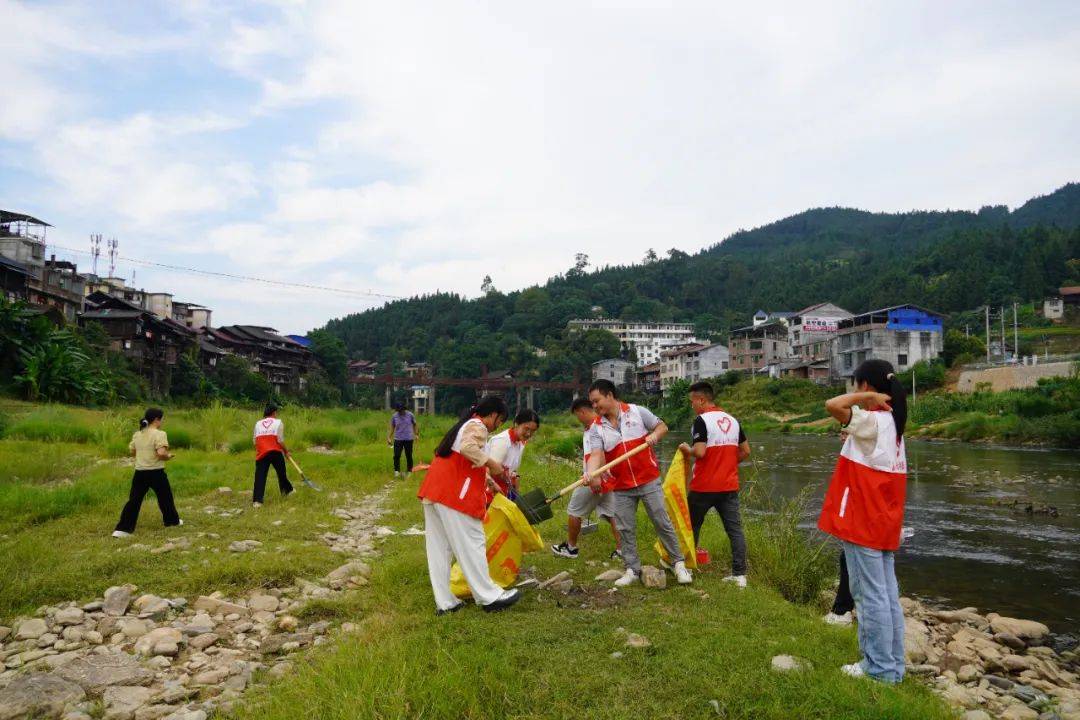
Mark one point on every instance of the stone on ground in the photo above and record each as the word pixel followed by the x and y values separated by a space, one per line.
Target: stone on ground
pixel 1023 629
pixel 37 695
pixel 121 702
pixel 31 629
pixel 609 576
pixel 637 641
pixel 94 673
pixel 117 600
pixel 653 577
pixel 787 663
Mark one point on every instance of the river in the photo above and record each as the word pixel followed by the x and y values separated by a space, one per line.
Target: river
pixel 971 547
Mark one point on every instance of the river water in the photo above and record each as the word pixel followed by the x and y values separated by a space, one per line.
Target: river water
pixel 971 546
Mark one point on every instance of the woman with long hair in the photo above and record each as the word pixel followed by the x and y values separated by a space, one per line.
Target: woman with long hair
pixel 455 501
pixel 864 508
pixel 508 447
pixel 150 447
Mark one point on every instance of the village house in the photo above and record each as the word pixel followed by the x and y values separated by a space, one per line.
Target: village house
pixel 811 332
pixel 46 283
pixel 620 372
pixel 903 335
pixel 283 362
pixel 645 340
pixel 692 362
pixel 648 379
pixel 755 347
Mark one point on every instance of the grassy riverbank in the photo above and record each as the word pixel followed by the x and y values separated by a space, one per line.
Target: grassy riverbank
pixel 63 478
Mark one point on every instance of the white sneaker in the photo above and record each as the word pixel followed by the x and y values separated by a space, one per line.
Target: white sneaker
pixel 682 574
pixel 834 619
pixel 397 474
pixel 180 522
pixel 256 505
pixel 854 670
pixel 629 578
pixel 120 534
pixel 737 580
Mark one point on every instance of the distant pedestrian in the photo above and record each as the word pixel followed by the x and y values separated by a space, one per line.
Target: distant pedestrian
pixel 403 432
pixel 584 500
pixel 150 447
pixel 454 499
pixel 508 448
pixel 864 508
pixel 719 446
pixel 270 451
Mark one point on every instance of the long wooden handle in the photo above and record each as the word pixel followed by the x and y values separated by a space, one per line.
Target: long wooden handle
pixel 600 471
pixel 294 464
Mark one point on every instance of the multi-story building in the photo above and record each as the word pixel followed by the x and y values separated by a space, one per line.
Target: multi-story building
pixel 692 362
pixel 811 332
pixel 48 283
pixel 755 347
pixel 648 379
pixel 13 279
pixel 283 362
pixel 645 340
pixel 903 335
pixel 620 372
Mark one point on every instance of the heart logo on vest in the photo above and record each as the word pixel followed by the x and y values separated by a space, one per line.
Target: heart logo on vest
pixel 724 424
pixel 267 423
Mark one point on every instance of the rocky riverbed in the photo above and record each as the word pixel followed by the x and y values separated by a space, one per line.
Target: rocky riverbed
pixel 133 655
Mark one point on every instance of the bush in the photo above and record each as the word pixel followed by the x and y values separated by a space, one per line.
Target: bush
pixel 179 438
pixel 52 424
pixel 327 435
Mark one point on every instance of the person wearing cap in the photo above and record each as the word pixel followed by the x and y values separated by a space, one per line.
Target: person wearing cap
pixel 270 451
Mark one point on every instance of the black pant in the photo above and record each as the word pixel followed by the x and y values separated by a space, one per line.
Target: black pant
pixel 727 506
pixel 405 445
pixel 843 603
pixel 141 483
pixel 262 467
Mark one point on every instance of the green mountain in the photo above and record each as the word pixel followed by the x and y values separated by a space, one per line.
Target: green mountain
pixel 948 261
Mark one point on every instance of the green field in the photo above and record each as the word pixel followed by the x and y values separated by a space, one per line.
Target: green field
pixel 63 481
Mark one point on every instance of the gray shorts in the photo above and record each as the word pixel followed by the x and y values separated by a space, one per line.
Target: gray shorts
pixel 583 501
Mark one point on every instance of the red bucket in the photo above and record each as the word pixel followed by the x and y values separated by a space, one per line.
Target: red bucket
pixel 702 557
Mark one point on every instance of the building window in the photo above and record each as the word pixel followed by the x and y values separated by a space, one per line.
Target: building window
pixel 901 360
pixel 847 361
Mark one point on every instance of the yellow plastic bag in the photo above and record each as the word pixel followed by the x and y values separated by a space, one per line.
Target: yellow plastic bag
pixel 509 536
pixel 679 511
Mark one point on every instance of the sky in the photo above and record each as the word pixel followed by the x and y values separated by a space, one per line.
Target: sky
pixel 402 148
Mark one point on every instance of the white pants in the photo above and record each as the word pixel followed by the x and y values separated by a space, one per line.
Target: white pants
pixel 449 533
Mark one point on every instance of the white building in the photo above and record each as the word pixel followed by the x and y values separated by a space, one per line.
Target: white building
pixel 620 372
pixel 692 362
pixel 647 340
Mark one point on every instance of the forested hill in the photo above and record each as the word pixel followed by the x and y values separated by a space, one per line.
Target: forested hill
pixel 948 261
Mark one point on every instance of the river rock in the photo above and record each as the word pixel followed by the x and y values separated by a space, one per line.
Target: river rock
pixel 637 641
pixel 653 577
pixel 133 628
pixel 999 682
pixel 958 695
pixel 967 616
pixel 968 673
pixel 1017 663
pixel 277 643
pixel 288 623
pixel 121 702
pixel 1028 630
pixel 117 600
pixel 1009 640
pixel 1019 712
pixel 69 616
pixel 263 603
pixel 31 629
pixel 203 641
pixel 241 546
pixel 94 673
pixel 215 676
pixel 918 647
pixel 788 663
pixel 217 605
pixel 154 712
pixel 37 695
pixel 1025 694
pixel 976 715
pixel 608 576
pixel 358 568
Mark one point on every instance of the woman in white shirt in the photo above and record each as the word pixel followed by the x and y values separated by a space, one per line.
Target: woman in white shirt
pixel 508 447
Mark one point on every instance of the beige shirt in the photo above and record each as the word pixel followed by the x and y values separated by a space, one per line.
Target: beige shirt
pixel 864 428
pixel 473 441
pixel 145 443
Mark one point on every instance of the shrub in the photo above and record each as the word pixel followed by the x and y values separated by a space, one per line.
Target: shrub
pixel 327 435
pixel 179 438
pixel 53 424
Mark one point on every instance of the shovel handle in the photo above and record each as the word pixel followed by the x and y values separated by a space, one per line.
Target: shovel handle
pixel 599 471
pixel 295 465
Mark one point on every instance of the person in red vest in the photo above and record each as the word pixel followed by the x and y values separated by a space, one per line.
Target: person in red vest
pixel 620 427
pixel 454 497
pixel 864 508
pixel 270 452
pixel 719 446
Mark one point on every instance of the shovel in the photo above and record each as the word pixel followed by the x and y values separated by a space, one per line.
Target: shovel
pixel 536 507
pixel 304 477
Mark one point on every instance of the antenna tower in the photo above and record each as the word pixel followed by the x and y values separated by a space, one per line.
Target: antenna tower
pixel 95 249
pixel 112 256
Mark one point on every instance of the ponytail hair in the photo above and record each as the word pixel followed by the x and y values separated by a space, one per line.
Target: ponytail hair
pixel 150 416
pixel 527 415
pixel 485 406
pixel 879 375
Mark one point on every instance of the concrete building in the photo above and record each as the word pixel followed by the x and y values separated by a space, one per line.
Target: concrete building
pixel 48 283
pixel 903 335
pixel 693 362
pixel 14 279
pixel 620 372
pixel 645 340
pixel 648 379
pixel 755 347
pixel 761 317
pixel 1054 308
pixel 811 332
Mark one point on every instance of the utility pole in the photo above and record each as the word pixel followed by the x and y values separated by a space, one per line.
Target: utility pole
pixel 1016 334
pixel 1002 318
pixel 987 334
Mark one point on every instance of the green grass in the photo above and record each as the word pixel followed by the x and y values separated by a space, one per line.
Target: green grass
pixel 551 656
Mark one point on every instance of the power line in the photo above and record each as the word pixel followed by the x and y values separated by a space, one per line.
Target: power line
pixel 246 278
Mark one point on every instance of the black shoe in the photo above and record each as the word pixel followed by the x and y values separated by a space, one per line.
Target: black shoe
pixel 615 555
pixel 504 602
pixel 564 550
pixel 447 611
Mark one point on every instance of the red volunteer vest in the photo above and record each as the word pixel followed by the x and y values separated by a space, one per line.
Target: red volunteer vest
pixel 630 433
pixel 718 471
pixel 454 482
pixel 266 437
pixel 864 504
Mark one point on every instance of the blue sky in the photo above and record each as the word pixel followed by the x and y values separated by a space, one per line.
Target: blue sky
pixel 408 147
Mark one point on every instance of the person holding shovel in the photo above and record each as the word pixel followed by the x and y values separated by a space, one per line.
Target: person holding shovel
pixel 454 499
pixel 150 448
pixel 508 447
pixel 619 428
pixel 719 446
pixel 270 451
pixel 585 500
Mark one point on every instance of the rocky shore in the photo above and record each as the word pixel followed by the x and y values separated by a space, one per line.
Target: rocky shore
pixel 137 656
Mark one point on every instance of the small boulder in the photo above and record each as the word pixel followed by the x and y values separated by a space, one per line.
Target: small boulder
pixel 653 577
pixel 1028 630
pixel 609 576
pixel 241 546
pixel 264 603
pixel 203 641
pixel 637 641
pixel 94 673
pixel 976 715
pixel 555 579
pixel 1009 640
pixel 69 616
pixel 788 663
pixel 37 695
pixel 117 600
pixel 1019 712
pixel 121 701
pixel 968 673
pixel 31 629
pixel 133 628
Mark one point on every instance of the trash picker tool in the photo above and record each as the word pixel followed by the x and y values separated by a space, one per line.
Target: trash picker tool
pixel 536 507
pixel 304 477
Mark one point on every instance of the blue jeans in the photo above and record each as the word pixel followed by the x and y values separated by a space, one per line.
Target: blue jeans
pixel 872 576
